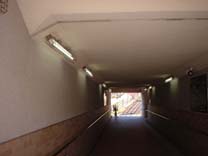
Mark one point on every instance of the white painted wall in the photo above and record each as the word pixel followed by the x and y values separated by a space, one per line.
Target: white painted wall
pixel 37 87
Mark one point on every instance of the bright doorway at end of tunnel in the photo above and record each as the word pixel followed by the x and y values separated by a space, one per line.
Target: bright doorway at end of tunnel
pixel 126 104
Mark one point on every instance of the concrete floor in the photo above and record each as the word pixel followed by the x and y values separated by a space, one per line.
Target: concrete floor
pixel 132 136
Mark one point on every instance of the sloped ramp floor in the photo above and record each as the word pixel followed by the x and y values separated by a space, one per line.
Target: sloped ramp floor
pixel 134 108
pixel 132 136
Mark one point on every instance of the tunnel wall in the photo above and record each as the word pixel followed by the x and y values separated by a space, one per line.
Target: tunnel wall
pixel 76 137
pixel 170 113
pixel 45 101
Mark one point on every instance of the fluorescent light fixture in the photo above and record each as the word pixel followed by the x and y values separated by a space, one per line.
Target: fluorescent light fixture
pixel 104 85
pixel 168 79
pixel 53 42
pixel 88 71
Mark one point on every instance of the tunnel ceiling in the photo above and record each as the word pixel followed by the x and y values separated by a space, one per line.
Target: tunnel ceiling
pixel 132 41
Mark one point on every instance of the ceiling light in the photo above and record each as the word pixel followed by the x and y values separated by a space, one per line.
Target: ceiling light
pixel 88 71
pixel 150 87
pixel 168 79
pixel 104 85
pixel 56 44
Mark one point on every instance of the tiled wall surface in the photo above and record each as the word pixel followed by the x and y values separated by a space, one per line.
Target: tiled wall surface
pixel 48 141
pixel 194 120
pixel 187 130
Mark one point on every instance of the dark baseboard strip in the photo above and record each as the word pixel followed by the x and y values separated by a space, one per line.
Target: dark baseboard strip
pixel 178 123
pixel 80 134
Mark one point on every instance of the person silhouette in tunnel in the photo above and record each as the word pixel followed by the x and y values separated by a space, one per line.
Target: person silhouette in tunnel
pixel 115 109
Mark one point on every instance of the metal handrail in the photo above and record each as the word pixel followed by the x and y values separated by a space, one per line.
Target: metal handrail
pixel 159 115
pixel 178 123
pixel 79 135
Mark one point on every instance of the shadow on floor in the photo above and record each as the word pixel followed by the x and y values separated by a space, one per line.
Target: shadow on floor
pixel 132 136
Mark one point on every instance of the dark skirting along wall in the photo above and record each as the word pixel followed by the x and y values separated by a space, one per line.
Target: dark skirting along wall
pixel 74 137
pixel 170 113
pixel 191 141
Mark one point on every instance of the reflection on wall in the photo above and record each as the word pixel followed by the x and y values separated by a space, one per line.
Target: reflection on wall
pixel 174 86
pixel 199 93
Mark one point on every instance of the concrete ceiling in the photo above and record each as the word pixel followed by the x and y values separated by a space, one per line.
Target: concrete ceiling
pixel 165 38
pixel 39 13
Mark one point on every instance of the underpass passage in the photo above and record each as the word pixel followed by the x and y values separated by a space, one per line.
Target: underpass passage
pixel 127 103
pixel 132 136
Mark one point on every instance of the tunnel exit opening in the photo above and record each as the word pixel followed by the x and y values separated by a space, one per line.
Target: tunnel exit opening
pixel 126 104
